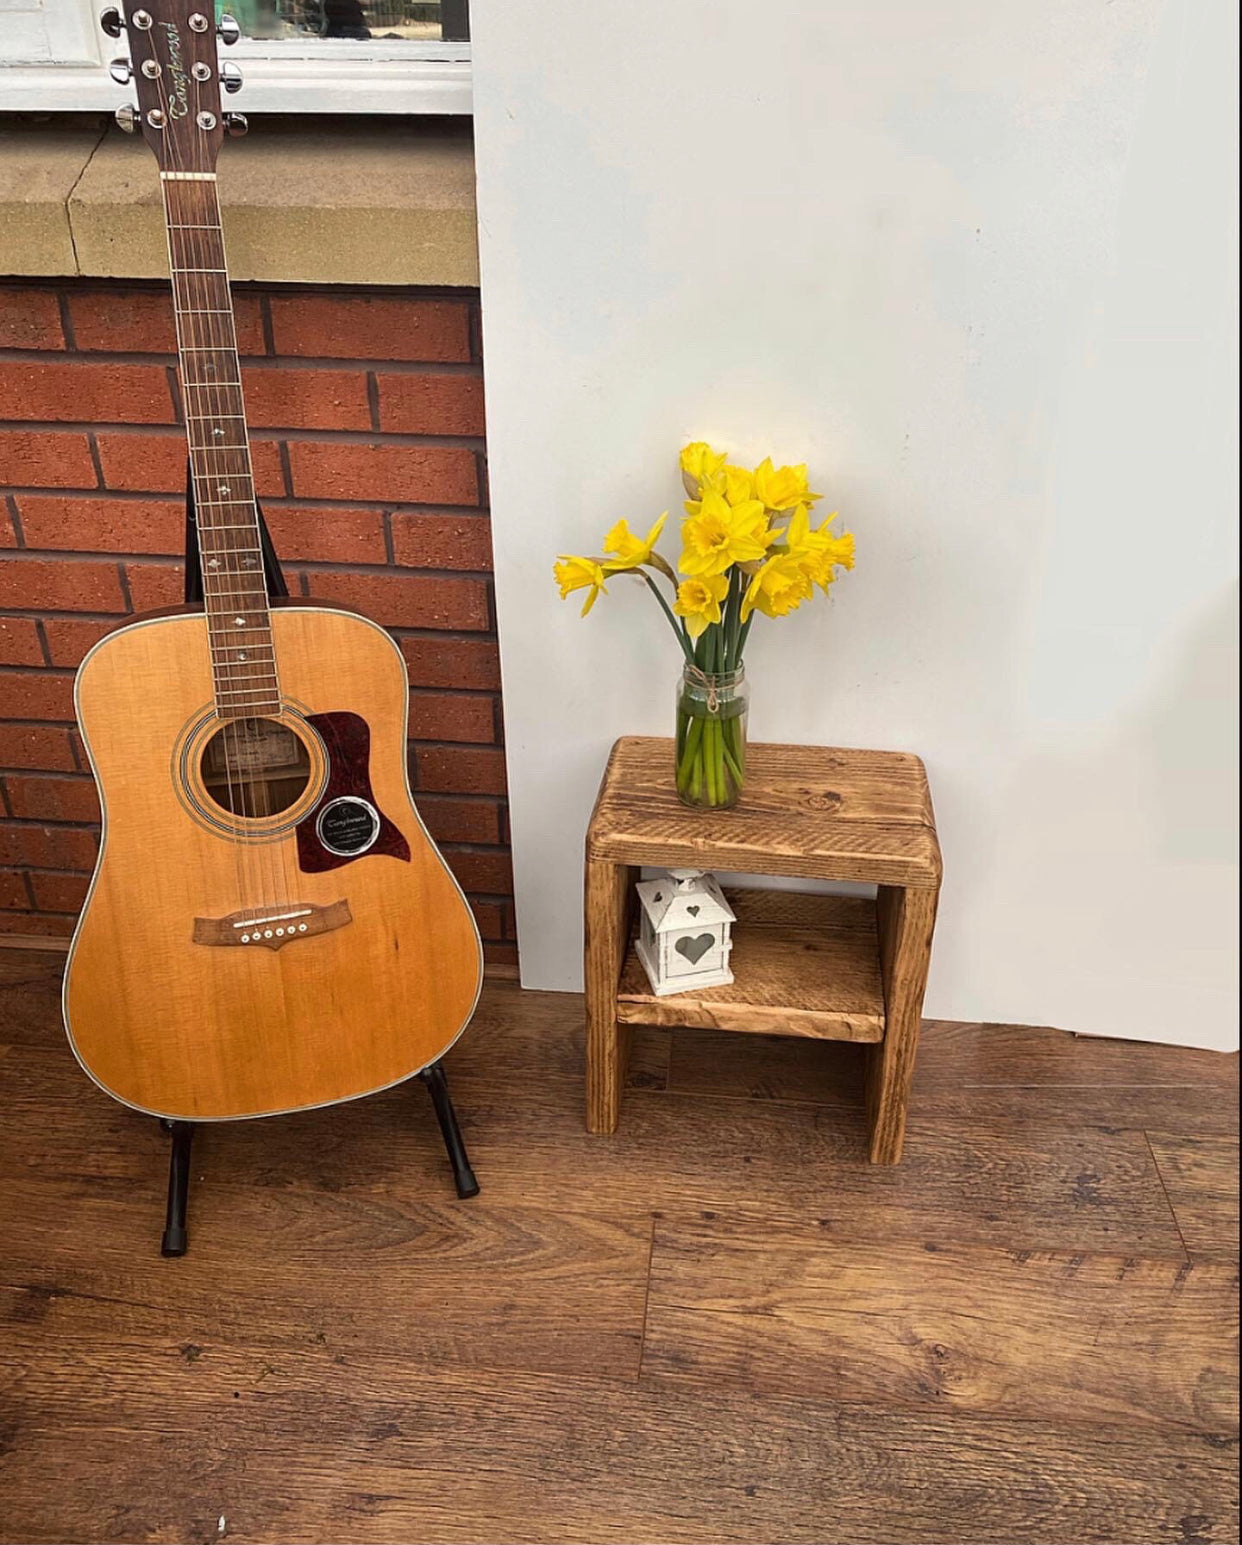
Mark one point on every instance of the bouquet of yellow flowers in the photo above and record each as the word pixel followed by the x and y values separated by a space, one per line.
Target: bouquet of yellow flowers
pixel 748 546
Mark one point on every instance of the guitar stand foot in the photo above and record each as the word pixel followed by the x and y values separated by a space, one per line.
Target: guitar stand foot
pixel 437 1087
pixel 175 1238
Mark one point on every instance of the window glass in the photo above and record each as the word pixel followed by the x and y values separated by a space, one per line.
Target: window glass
pixel 387 21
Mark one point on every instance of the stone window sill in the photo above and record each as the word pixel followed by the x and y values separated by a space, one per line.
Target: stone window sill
pixel 388 202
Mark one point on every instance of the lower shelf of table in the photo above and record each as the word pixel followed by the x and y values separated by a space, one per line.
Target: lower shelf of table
pixel 802 965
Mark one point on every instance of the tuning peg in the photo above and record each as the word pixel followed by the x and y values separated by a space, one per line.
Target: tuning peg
pixel 121 71
pixel 128 117
pixel 110 21
pixel 227 29
pixel 235 124
pixel 230 78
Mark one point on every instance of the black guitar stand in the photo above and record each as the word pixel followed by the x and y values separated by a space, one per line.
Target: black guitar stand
pixel 175 1237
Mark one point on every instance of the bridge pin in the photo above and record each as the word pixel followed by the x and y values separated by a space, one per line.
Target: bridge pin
pixel 267 933
pixel 245 938
pixel 280 933
pixel 301 927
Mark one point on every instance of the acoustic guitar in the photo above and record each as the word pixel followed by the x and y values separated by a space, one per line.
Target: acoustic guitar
pixel 269 926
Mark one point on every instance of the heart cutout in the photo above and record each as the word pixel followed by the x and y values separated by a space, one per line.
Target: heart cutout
pixel 694 949
pixel 693 911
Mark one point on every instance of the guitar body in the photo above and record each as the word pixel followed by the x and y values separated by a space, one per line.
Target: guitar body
pixel 247 953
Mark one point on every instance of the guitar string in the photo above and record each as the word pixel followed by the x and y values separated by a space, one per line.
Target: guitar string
pixel 246 729
pixel 275 850
pixel 170 200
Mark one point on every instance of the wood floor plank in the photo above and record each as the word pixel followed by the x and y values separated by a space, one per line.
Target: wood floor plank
pixel 1200 1175
pixel 301 1446
pixel 348 1353
pixel 472 1285
pixel 1091 1190
pixel 984 1072
pixel 520 1039
pixel 1031 1334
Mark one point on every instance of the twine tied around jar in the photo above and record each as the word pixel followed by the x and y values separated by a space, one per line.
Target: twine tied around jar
pixel 702 679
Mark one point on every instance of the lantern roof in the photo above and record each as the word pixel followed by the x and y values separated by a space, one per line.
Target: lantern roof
pixel 684 898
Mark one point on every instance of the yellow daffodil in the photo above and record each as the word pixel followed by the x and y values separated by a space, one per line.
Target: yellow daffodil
pixel 781 488
pixel 699 465
pixel 818 552
pixel 735 483
pixel 629 552
pixel 720 534
pixel 576 574
pixel 779 587
pixel 698 601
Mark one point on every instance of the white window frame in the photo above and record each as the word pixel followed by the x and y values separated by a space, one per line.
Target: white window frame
pixel 65 68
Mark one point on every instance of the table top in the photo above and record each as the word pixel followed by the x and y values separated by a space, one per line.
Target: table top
pixel 810 812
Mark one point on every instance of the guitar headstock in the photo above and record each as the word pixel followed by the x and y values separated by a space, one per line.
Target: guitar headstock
pixel 173 63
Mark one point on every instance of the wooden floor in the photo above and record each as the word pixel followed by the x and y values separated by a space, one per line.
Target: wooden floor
pixel 719 1325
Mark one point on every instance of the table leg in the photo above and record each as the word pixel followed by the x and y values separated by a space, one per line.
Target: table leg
pixel 609 893
pixel 906 918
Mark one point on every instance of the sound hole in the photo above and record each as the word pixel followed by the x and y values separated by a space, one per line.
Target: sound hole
pixel 255 767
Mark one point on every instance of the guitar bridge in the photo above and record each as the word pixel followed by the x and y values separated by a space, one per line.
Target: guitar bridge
pixel 272 926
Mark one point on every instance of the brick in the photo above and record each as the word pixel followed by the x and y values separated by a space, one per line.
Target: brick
pixel 8 531
pixel 408 600
pixel 489 916
pixel 47 847
pixel 402 474
pixel 155 464
pixel 58 585
pixel 430 404
pixel 37 695
pixel 34 798
pixel 19 642
pixel 74 389
pixel 490 871
pixel 323 534
pixel 103 525
pixel 13 895
pixel 458 769
pixel 29 318
pixel 134 321
pixel 441 541
pixel 32 923
pixel 35 458
pixel 59 892
pixel 450 716
pixel 69 638
pixel 36 745
pixel 371 327
pixel 502 957
pixel 470 663
pixel 307 399
pixel 153 585
pixel 460 820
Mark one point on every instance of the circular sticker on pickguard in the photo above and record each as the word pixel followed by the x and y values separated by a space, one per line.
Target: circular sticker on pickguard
pixel 347 826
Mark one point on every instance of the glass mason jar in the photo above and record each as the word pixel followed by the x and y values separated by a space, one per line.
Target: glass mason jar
pixel 711 738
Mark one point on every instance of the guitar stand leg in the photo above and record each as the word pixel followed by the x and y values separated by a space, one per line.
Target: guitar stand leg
pixel 437 1087
pixel 182 1134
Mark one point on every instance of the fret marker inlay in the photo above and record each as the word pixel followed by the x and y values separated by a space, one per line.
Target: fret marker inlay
pixel 245 680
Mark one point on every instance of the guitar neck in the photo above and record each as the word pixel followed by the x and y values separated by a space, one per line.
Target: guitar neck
pixel 243 658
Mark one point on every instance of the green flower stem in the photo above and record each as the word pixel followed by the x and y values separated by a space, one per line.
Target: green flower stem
pixel 679 632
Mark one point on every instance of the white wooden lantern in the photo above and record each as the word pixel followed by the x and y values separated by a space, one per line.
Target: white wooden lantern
pixel 684 932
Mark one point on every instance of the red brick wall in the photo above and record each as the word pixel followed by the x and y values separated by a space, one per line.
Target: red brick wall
pixel 366 410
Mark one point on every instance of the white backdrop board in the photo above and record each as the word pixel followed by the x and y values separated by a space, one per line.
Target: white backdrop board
pixel 974 262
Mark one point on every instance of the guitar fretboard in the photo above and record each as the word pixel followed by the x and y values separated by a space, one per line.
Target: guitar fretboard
pixel 243 659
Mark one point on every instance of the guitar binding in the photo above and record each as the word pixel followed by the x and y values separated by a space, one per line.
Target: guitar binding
pixel 181 1133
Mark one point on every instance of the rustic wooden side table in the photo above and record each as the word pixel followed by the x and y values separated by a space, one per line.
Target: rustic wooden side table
pixel 834 967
